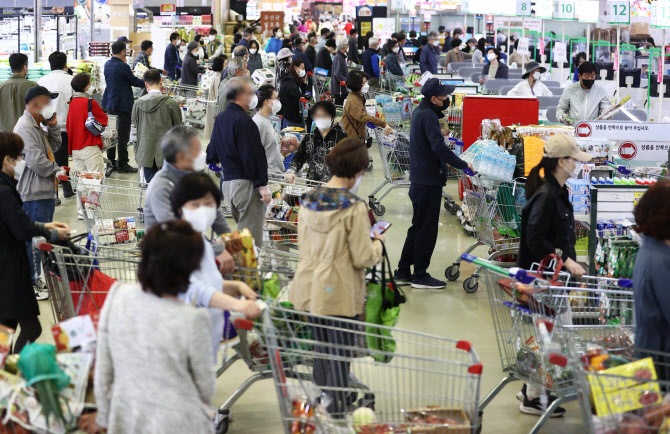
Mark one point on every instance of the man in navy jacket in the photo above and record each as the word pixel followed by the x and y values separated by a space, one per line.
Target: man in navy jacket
pixel 236 144
pixel 429 156
pixel 298 53
pixel 118 100
pixel 172 59
pixel 429 53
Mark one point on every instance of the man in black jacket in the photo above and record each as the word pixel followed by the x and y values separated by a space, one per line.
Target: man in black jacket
pixel 236 144
pixel 353 46
pixel 429 156
pixel 324 59
pixel 310 51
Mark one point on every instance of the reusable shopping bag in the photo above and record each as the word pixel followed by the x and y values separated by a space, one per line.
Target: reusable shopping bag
pixel 382 308
pixel 526 294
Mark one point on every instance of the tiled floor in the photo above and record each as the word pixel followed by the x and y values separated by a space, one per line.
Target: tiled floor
pixel 450 312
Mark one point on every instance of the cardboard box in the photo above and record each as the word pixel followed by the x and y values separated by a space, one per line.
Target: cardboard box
pixel 455 413
pixel 639 29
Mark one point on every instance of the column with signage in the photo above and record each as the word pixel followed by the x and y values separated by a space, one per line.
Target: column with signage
pixel 618 13
pixel 523 9
pixel 660 19
pixel 564 10
pixel 364 19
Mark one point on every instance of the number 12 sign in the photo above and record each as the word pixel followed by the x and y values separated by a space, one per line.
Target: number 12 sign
pixel 618 12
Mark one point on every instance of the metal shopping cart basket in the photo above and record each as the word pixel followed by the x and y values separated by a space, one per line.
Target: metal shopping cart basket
pixel 114 211
pixel 491 212
pixel 281 220
pixel 394 154
pixel 193 100
pixel 541 316
pixel 430 385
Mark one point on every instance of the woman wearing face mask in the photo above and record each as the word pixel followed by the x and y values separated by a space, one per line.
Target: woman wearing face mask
pixel 275 42
pixel 18 306
pixel 455 54
pixel 335 250
pixel 293 87
pixel 217 69
pixel 393 61
pixel 315 146
pixel 269 104
pixel 495 68
pixel 531 84
pixel 355 116
pixel 190 68
pixel 579 59
pixel 202 55
pixel 255 62
pixel 548 224
pixel 196 199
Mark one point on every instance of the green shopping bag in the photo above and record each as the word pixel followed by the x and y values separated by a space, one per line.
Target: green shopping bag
pixel 382 308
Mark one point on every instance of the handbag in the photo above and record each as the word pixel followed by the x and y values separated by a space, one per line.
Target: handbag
pixel 92 124
pixel 527 294
pixel 367 141
pixel 382 308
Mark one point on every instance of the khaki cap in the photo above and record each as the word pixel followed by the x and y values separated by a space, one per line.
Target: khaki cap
pixel 563 146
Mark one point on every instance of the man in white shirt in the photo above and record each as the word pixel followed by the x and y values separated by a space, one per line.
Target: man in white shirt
pixel 530 84
pixel 60 81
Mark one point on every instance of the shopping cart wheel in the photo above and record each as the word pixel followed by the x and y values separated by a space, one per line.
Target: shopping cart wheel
pixel 370 166
pixel 471 284
pixel 379 209
pixel 223 417
pixel 453 272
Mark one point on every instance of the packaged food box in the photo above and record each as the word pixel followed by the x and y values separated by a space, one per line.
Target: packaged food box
pixel 438 420
pixel 241 246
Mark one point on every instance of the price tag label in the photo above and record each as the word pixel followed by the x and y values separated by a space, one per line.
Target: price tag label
pixel 523 8
pixel 560 52
pixel 618 12
pixel 564 10
pixel 662 14
pixel 523 48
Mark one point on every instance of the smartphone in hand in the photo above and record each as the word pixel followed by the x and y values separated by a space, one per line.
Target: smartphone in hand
pixel 380 227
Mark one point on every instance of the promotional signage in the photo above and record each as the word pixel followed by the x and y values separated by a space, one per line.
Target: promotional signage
pixel 618 12
pixel 532 24
pixel 169 9
pixel 626 131
pixel 523 8
pixel 564 10
pixel 523 48
pixel 642 151
pixel 560 52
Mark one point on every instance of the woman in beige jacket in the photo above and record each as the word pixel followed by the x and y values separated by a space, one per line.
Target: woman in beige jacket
pixel 355 116
pixel 335 249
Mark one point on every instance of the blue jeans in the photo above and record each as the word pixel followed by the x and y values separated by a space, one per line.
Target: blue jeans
pixel 41 211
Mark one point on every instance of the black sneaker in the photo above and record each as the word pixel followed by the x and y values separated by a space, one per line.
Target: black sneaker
pixel 67 190
pixel 58 202
pixel 127 168
pixel 109 169
pixel 427 282
pixel 522 394
pixel 534 407
pixel 402 278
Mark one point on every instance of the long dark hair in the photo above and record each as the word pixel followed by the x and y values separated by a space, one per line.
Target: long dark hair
pixel 534 180
pixel 481 45
pixel 292 70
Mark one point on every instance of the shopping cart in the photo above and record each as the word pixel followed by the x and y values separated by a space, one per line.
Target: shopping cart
pixel 431 384
pixel 322 88
pixel 491 212
pixel 79 277
pixel 394 154
pixel 193 100
pixel 113 211
pixel 281 219
pixel 539 317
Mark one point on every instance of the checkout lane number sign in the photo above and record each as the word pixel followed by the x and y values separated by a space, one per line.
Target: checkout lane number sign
pixel 618 12
pixel 627 151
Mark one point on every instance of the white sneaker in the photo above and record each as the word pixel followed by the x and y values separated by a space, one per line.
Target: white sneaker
pixel 40 289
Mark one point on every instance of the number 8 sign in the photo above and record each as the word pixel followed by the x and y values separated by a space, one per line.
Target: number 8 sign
pixel 618 12
pixel 523 8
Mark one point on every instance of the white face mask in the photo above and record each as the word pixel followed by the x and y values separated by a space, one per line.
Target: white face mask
pixel 491 56
pixel 536 75
pixel 354 189
pixel 200 162
pixel 396 49
pixel 276 106
pixel 280 35
pixel 212 38
pixel 201 218
pixel 89 91
pixel 301 73
pixel 323 123
pixel 47 111
pixel 178 42
pixel 436 43
pixel 254 102
pixel 365 88
pixel 502 48
pixel 253 51
pixel 18 168
pixel 578 168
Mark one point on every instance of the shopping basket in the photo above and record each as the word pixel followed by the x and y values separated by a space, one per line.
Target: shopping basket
pixel 193 101
pixel 394 155
pixel 490 212
pixel 540 316
pixel 430 385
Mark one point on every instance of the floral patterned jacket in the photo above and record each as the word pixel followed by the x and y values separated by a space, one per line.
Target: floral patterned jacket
pixel 313 150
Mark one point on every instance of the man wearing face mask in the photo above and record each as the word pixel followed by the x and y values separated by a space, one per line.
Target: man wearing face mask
pixel 324 59
pixel 275 42
pixel 530 84
pixel 183 154
pixel 340 71
pixel 172 58
pixel 190 68
pixel 429 156
pixel 429 54
pixel 246 38
pixel 585 100
pixel 37 183
pixel 13 91
pixel 153 115
pixel 236 144
pixel 236 68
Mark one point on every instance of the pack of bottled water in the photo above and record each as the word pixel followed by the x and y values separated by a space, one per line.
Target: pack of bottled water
pixel 490 160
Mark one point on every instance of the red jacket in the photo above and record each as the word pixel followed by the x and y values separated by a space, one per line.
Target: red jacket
pixel 78 137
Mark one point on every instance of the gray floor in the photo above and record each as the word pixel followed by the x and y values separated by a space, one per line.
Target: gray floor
pixel 450 312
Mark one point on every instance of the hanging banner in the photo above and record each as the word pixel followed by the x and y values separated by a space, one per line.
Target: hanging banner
pixel 524 46
pixel 532 24
pixel 560 52
pixel 169 9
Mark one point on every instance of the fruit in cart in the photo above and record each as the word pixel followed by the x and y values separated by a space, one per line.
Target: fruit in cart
pixel 655 415
pixel 364 416
pixel 633 424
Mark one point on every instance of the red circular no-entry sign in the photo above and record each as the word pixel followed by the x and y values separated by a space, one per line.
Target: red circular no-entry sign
pixel 583 129
pixel 627 150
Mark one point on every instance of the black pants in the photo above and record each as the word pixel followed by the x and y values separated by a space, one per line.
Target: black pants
pixel 149 172
pixel 332 370
pixel 30 331
pixel 422 235
pixel 123 128
pixel 62 159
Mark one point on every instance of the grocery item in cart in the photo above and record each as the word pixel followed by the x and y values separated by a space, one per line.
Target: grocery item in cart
pixel 6 335
pixel 241 246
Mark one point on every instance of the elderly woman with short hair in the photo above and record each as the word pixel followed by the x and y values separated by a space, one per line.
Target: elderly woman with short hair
pixel 340 71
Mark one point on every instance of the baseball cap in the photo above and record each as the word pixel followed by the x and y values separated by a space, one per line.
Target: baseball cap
pixel 434 87
pixel 124 39
pixel 297 41
pixel 284 53
pixel 563 146
pixel 37 91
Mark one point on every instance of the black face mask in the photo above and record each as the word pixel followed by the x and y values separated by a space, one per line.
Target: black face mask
pixel 588 83
pixel 202 42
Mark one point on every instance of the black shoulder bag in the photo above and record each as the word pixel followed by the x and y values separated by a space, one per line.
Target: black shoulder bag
pixel 367 141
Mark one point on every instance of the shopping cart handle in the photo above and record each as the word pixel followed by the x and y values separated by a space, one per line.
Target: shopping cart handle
pixel 383 64
pixel 215 168
pixel 371 125
pixel 310 73
pixel 343 83
pixel 468 258
pixel 243 324
pixel 625 283
pixel 304 100
pixel 620 169
pixel 469 172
